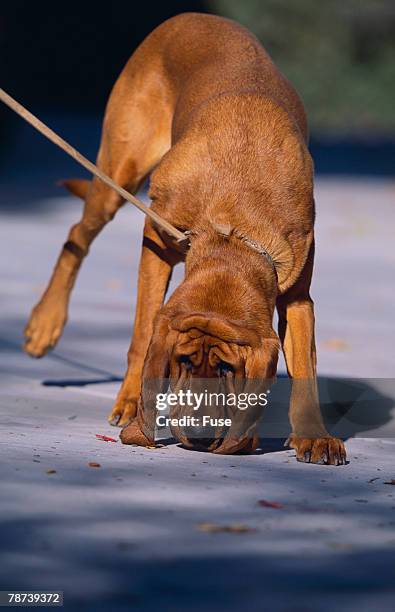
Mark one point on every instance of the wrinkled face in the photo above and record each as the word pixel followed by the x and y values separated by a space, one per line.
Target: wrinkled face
pixel 208 347
pixel 207 353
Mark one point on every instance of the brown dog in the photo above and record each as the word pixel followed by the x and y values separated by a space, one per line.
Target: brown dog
pixel 202 103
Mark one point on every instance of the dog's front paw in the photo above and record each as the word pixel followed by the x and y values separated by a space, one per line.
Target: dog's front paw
pixel 44 328
pixel 124 410
pixel 327 450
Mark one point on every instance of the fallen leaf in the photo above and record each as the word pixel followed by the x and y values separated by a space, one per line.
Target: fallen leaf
pixel 264 503
pixel 114 284
pixel 105 438
pixel 336 344
pixel 50 472
pixel 390 482
pixel 94 464
pixel 215 528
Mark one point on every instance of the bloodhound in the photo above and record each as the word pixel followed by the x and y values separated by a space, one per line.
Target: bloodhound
pixel 202 109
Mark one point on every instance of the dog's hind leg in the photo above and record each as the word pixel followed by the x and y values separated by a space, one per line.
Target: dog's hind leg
pixel 50 314
pixel 136 134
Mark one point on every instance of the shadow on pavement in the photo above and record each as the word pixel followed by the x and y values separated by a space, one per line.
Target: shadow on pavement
pixel 101 570
pixel 349 407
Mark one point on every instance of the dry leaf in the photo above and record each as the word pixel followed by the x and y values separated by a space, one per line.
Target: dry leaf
pixel 336 344
pixel 390 482
pixel 50 472
pixel 215 528
pixel 94 464
pixel 114 284
pixel 270 504
pixel 105 438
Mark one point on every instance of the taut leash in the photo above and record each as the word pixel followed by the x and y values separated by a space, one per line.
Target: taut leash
pixel 62 144
pixel 181 237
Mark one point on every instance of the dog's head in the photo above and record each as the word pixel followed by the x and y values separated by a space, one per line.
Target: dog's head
pixel 188 349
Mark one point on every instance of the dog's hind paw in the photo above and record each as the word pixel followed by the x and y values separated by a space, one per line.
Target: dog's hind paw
pixel 44 329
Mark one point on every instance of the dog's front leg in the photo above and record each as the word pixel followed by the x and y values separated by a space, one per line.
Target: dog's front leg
pixel 309 436
pixel 156 265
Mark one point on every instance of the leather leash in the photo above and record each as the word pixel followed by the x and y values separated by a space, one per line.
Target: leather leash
pixel 57 140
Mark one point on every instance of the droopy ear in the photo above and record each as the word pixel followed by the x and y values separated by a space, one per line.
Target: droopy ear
pixel 261 362
pixel 155 377
pixel 78 187
pixel 157 362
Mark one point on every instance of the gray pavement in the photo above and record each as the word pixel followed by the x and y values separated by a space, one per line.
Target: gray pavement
pixel 141 531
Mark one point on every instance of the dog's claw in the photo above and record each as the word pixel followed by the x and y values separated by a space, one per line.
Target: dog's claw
pixel 323 451
pixel 123 412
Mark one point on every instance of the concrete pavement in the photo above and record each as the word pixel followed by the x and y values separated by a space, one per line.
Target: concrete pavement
pixel 153 528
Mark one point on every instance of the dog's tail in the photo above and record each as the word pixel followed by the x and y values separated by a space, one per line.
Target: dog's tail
pixel 78 187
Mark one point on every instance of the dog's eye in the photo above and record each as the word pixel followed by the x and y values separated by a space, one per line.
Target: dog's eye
pixel 186 360
pixel 224 368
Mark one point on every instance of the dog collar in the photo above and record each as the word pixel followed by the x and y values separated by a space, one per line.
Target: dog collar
pixel 256 246
pixel 226 230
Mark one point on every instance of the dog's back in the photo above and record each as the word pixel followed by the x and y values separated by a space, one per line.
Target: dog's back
pixel 203 56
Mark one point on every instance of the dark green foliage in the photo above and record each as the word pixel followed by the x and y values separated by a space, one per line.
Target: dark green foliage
pixel 340 55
